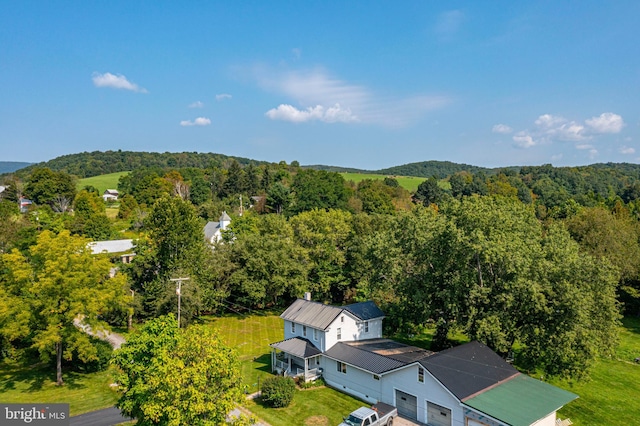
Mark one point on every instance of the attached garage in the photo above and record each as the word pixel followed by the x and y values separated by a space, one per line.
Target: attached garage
pixel 438 415
pixel 407 405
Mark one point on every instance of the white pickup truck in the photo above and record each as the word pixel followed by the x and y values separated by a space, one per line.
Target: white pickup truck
pixel 380 414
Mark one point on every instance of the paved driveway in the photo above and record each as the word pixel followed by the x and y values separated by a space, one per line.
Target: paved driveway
pixel 107 417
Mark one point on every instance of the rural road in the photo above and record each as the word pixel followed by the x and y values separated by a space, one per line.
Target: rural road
pixel 107 417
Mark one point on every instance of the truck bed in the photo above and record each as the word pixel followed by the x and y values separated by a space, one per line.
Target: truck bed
pixel 383 409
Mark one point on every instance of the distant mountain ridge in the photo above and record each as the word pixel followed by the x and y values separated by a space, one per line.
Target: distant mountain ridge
pixel 12 166
pixel 96 163
pixel 89 164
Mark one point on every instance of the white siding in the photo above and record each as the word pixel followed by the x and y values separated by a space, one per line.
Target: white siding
pixel 318 343
pixel 406 380
pixel 550 420
pixel 348 330
pixel 355 382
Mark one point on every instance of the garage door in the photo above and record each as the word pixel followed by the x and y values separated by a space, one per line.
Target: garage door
pixel 407 405
pixel 437 415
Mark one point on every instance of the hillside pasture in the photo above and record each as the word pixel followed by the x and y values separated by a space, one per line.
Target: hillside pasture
pixel 410 183
pixel 102 182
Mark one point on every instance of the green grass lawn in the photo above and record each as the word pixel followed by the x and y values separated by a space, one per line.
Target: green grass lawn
pixel 83 392
pixel 102 182
pixel 611 395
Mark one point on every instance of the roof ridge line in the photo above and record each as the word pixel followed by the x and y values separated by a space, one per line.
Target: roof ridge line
pixel 501 382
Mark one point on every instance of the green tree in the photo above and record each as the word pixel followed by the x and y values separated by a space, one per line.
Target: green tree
pixel 89 218
pixel 177 377
pixel 318 189
pixel 59 282
pixel 278 198
pixel 44 186
pixel 429 192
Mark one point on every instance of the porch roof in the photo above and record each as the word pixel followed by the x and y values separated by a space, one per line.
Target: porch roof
pixel 297 346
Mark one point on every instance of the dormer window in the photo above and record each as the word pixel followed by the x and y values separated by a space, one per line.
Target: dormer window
pixel 293 327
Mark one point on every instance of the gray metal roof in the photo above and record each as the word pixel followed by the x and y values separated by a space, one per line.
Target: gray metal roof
pixel 114 246
pixel 365 310
pixel 319 315
pixel 468 369
pixel 297 346
pixel 225 217
pixel 363 359
pixel 313 314
pixel 210 229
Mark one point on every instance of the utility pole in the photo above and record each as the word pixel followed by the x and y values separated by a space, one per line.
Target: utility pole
pixel 241 208
pixel 178 292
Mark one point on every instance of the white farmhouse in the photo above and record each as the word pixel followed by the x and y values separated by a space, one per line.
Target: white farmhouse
pixel 468 385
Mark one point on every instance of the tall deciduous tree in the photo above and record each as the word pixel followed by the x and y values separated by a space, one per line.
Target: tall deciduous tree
pixel 319 189
pixel 176 377
pixel 59 282
pixel 44 186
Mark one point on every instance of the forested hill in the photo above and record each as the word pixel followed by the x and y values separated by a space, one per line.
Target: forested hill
pixel 88 164
pixel 11 166
pixel 439 169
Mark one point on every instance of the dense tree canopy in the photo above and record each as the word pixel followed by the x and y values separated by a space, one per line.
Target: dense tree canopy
pixel 175 377
pixel 57 283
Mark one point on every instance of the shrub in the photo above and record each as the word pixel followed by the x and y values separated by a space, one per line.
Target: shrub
pixel 278 391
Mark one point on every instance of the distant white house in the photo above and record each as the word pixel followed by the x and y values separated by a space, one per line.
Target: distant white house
pixel 468 385
pixel 110 195
pixel 213 230
pixel 111 247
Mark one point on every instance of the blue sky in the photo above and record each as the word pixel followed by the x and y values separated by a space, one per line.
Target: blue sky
pixel 349 83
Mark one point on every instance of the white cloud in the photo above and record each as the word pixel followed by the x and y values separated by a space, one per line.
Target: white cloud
pixel 115 82
pixel 196 104
pixel 502 129
pixel 333 114
pixel 627 150
pixel 555 127
pixel 607 122
pixel 523 140
pixel 200 121
pixel 223 96
pixel 312 89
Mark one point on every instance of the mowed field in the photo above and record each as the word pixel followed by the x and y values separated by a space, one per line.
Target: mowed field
pixel 102 182
pixel 410 183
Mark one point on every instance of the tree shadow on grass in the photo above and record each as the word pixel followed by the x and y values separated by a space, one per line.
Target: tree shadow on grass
pixel 36 378
pixel 264 362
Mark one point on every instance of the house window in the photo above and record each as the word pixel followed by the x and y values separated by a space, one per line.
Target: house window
pixel 317 360
pixel 315 334
pixel 304 330
pixel 421 374
pixel 293 327
pixel 342 367
pixel 342 319
pixel 339 333
pixel 366 326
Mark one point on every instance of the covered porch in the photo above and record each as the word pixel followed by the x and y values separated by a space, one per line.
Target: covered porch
pixel 296 357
